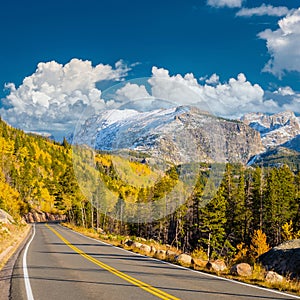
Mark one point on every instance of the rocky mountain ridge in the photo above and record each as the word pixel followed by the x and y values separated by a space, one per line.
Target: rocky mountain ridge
pixel 277 129
pixel 178 135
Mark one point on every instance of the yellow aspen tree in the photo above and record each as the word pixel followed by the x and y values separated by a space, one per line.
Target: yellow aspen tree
pixel 259 244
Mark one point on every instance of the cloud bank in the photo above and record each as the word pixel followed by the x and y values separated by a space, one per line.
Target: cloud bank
pixel 230 99
pixel 263 10
pixel 54 97
pixel 283 45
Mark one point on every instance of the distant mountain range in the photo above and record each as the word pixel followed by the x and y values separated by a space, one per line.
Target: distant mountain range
pixel 275 130
pixel 185 134
pixel 177 135
pixel 280 135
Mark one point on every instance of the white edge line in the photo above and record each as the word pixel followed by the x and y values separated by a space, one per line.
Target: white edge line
pixel 25 270
pixel 188 269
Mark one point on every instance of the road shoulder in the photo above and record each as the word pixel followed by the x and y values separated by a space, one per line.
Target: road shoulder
pixel 7 270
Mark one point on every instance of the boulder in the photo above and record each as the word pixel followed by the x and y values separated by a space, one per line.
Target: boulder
pixel 36 217
pixel 136 245
pixel 170 255
pixel 160 254
pixel 145 249
pixel 242 269
pixel 153 250
pixel 184 259
pixel 29 218
pixel 284 259
pixel 217 265
pixel 198 262
pixel 273 277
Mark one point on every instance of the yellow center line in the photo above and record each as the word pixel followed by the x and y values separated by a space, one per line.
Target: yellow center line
pixel 147 287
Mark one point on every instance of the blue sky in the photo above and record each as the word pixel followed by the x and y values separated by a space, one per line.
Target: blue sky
pixel 221 37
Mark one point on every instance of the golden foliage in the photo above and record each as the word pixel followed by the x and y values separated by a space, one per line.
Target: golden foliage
pixel 259 244
pixel 288 232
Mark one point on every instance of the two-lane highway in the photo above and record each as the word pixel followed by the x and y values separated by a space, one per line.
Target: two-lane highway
pixel 62 264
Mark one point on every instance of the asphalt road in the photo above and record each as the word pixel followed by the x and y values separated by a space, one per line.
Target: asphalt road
pixel 62 264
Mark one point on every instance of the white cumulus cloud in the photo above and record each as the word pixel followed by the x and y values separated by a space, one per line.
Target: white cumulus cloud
pixel 223 3
pixel 55 95
pixel 132 92
pixel 283 45
pixel 213 79
pixel 231 98
pixel 263 10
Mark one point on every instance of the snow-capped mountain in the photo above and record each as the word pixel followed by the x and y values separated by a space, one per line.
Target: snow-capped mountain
pixel 178 135
pixel 277 129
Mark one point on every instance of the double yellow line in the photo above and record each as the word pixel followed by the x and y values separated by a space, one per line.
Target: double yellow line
pixel 147 287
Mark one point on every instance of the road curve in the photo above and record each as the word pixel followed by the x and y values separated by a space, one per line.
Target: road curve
pixel 63 264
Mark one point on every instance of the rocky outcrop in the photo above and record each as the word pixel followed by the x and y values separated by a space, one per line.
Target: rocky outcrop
pixel 242 269
pixel 37 217
pixel 240 142
pixel 283 259
pixel 5 217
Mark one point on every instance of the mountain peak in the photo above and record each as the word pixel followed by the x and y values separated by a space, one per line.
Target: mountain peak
pixel 274 129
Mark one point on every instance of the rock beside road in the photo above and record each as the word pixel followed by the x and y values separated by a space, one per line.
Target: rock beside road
pixel 160 254
pixel 217 265
pixel 171 255
pixel 184 259
pixel 145 249
pixel 242 269
pixel 36 216
pixel 273 277
pixel 283 259
pixel 136 245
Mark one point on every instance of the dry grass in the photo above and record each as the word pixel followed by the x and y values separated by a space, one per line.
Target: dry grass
pixel 11 236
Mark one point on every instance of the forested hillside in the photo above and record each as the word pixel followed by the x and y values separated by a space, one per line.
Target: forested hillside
pixel 37 174
pixel 33 172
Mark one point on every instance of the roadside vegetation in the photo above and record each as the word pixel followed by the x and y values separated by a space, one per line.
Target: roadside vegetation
pixel 11 235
